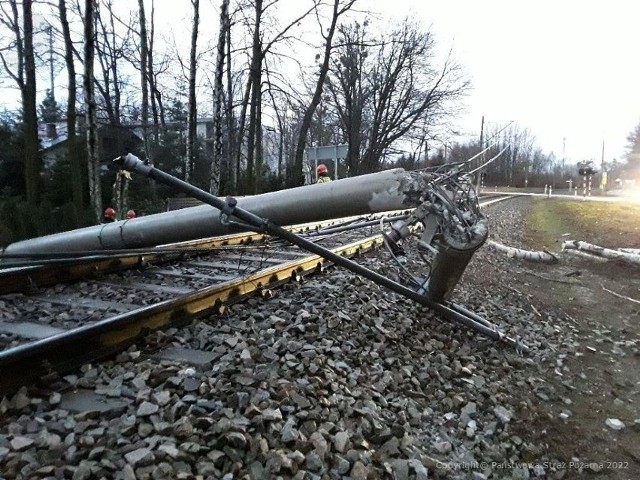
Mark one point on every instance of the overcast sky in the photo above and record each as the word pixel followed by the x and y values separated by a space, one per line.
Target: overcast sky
pixel 567 70
pixel 563 69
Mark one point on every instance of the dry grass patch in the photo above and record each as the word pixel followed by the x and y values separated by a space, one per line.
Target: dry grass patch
pixel 608 224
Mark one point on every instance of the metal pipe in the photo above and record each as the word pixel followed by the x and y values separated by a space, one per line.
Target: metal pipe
pixel 373 193
pixel 448 266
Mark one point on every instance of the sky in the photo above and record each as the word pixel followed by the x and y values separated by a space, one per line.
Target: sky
pixel 568 71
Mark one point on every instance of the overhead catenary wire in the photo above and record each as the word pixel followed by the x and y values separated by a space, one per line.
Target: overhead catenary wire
pixel 492 159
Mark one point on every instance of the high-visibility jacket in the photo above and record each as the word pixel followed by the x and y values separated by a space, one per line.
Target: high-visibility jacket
pixel 323 179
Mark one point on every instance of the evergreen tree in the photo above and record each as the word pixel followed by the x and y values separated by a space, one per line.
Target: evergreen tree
pixel 633 153
pixel 49 109
pixel 11 165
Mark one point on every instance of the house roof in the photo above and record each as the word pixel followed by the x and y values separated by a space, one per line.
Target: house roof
pixel 47 140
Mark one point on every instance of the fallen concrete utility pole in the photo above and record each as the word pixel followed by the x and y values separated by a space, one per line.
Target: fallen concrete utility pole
pixel 446 208
pixel 377 192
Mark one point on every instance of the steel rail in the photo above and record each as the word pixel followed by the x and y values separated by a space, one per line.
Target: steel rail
pixel 61 267
pixel 42 358
pixel 48 357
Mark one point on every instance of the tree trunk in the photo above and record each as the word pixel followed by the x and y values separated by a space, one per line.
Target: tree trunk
pixel 193 112
pixel 93 160
pixel 115 75
pixel 231 166
pixel 158 115
pixel 32 164
pixel 240 133
pixel 296 177
pixel 520 254
pixel 73 150
pixel 214 185
pixel 144 84
pixel 255 76
pixel 608 253
pixel 259 158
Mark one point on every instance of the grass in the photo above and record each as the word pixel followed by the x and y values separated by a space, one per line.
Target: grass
pixel 613 225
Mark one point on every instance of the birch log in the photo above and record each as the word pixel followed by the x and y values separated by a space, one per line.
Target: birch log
pixel 635 251
pixel 580 253
pixel 519 254
pixel 598 251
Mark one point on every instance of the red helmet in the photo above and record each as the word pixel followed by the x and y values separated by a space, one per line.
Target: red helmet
pixel 322 168
pixel 131 214
pixel 109 213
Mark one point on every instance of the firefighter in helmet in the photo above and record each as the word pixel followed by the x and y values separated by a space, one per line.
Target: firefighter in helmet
pixel 323 174
pixel 131 214
pixel 109 215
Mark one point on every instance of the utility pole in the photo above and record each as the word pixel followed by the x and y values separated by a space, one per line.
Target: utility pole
pixel 603 174
pixel 50 32
pixel 482 157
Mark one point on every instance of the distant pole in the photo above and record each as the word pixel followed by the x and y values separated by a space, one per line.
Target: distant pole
pixel 482 157
pixel 564 140
pixel 602 172
pixel 50 31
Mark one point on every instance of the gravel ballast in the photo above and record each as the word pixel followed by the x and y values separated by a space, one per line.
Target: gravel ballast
pixel 333 378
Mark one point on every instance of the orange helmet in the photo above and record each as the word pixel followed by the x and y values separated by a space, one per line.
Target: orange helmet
pixel 109 213
pixel 322 168
pixel 131 214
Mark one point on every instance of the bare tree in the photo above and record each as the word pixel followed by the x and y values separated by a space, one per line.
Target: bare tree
pixel 93 159
pixel 260 48
pixel 349 89
pixel 109 50
pixel 390 89
pixel 225 24
pixel 233 167
pixel 32 161
pixel 143 59
pixel 254 83
pixel 73 152
pixel 25 77
pixel 192 109
pixel 157 105
pixel 144 71
pixel 29 112
pixel 340 7
pixel 280 109
pixel 407 87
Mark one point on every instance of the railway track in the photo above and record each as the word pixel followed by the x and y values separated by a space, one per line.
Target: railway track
pixel 58 312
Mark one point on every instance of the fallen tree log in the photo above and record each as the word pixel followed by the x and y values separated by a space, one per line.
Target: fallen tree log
pixel 590 256
pixel 520 254
pixel 602 252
